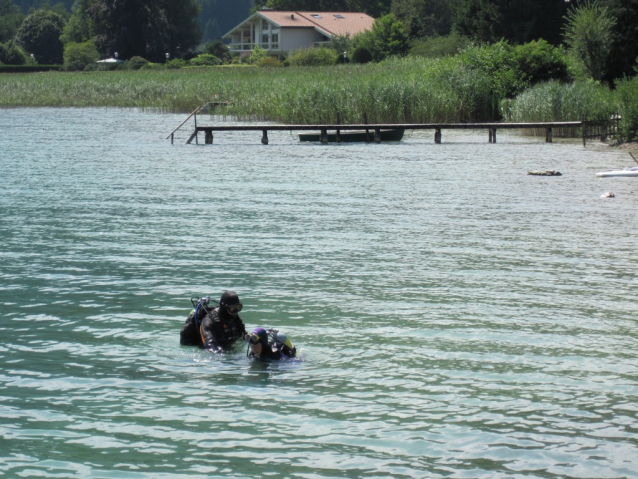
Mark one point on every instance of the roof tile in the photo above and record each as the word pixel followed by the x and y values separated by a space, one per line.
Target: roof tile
pixel 352 22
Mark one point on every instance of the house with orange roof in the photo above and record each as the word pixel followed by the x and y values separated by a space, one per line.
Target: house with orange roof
pixel 280 32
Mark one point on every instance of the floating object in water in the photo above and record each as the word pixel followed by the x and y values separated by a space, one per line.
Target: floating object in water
pixel 608 194
pixel 624 172
pixel 545 173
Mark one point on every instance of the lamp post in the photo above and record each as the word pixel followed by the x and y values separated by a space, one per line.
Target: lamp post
pixel 168 56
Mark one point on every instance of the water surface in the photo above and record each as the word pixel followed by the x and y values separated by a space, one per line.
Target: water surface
pixel 455 317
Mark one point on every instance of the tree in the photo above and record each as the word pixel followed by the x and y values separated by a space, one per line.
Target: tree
pixel 78 55
pixel 39 35
pixel 624 48
pixel 424 18
pixel 79 27
pixel 479 19
pixel 145 28
pixel 374 8
pixel 588 35
pixel 11 54
pixel 387 38
pixel 10 20
pixel 518 21
pixel 218 49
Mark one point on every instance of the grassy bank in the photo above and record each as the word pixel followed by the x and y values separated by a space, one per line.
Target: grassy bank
pixel 399 90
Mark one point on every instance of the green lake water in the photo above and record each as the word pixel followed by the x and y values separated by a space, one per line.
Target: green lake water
pixel 455 317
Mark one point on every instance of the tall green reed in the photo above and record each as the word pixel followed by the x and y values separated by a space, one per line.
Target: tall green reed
pixel 395 91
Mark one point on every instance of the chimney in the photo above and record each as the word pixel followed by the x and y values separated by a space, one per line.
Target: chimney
pixel 292 16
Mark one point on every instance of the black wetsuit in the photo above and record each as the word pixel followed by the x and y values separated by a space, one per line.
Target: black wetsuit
pixel 214 329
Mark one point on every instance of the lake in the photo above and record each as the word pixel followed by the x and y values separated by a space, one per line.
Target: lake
pixel 455 317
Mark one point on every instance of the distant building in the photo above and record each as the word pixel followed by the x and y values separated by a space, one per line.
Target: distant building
pixel 280 32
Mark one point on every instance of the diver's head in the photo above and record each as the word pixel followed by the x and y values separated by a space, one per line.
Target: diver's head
pixel 258 341
pixel 230 304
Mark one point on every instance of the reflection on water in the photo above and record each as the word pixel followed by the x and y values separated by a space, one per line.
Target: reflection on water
pixel 455 317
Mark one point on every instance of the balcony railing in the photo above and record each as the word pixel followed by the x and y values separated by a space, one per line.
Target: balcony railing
pixel 246 47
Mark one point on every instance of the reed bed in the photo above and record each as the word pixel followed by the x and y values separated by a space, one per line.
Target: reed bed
pixel 410 90
pixel 555 101
pixel 401 90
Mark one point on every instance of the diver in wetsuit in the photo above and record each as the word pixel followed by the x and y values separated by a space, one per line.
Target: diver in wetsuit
pixel 269 344
pixel 214 329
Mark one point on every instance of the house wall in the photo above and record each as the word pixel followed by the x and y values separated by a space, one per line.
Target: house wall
pixel 295 38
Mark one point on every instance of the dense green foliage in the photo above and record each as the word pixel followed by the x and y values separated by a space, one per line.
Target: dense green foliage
pixel 313 57
pixel 39 35
pixel 78 55
pixel 374 8
pixel 514 68
pixel 434 47
pixel 205 59
pixel 12 54
pixel 386 38
pixel 624 49
pixel 218 49
pixel 588 34
pixel 425 18
pixel 516 21
pixel 10 20
pixel 361 55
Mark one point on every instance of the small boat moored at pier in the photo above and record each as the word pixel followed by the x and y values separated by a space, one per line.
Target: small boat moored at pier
pixel 351 136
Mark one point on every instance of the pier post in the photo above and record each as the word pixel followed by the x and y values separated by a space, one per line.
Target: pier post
pixel 208 138
pixel 324 136
pixel 264 138
pixel 548 135
pixel 377 135
pixel 492 135
pixel 338 132
pixel 437 136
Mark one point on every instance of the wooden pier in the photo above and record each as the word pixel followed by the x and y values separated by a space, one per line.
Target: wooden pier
pixel 373 131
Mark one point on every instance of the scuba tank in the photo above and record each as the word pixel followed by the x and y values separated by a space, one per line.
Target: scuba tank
pixel 281 342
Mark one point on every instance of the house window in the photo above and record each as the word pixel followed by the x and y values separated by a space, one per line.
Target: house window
pixel 275 37
pixel 315 15
pixel 339 16
pixel 264 38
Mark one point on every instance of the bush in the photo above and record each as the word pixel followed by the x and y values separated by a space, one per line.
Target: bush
pixel 218 49
pixel 78 55
pixel 135 63
pixel 102 67
pixel 387 38
pixel 499 63
pixel 270 62
pixel 12 54
pixel 175 64
pixel 205 60
pixel 539 61
pixel 361 55
pixel 257 55
pixel 313 56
